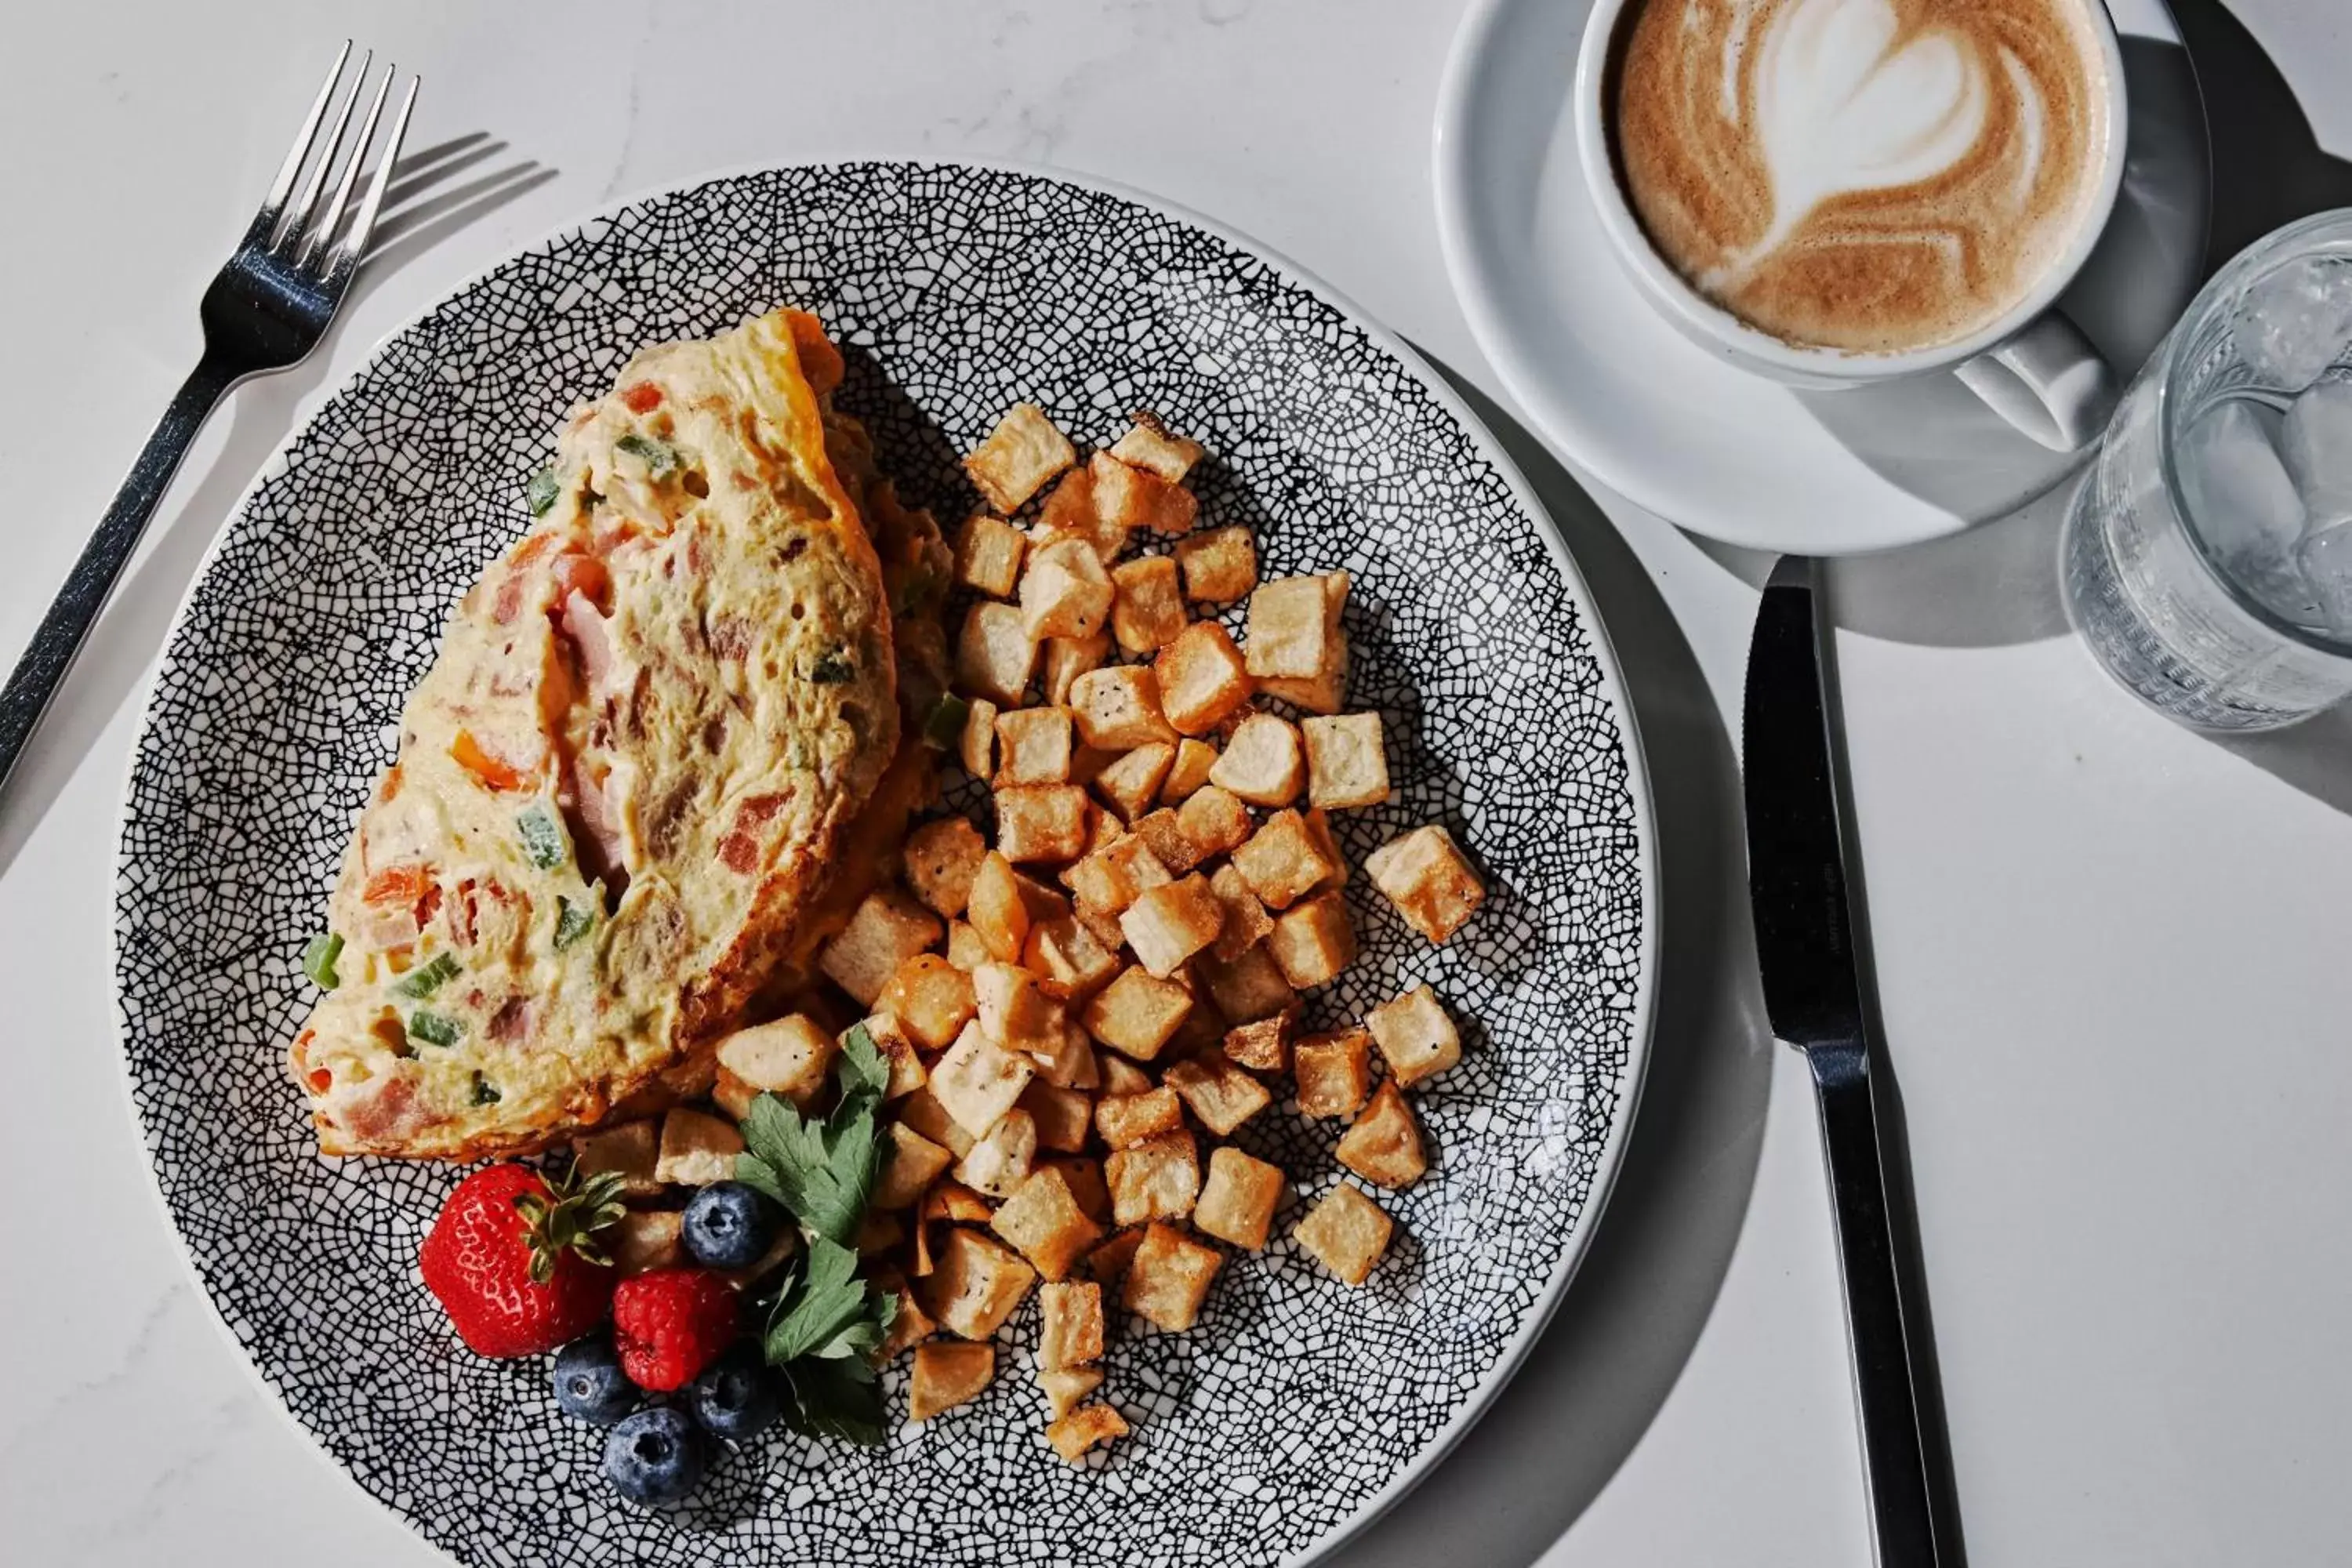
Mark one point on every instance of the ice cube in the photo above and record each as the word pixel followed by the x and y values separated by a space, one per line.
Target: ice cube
pixel 2326 558
pixel 2316 439
pixel 2292 322
pixel 2239 491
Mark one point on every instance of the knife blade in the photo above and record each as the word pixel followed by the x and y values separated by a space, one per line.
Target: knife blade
pixel 1806 949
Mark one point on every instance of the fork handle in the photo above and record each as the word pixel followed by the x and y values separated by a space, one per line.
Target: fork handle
pixel 75 610
pixel 1909 1511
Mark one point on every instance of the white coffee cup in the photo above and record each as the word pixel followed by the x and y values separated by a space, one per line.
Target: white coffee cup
pixel 2031 366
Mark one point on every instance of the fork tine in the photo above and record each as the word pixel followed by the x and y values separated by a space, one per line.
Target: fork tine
pixel 324 230
pixel 347 255
pixel 298 216
pixel 273 207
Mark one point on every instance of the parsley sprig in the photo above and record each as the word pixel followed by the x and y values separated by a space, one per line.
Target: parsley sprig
pixel 826 1321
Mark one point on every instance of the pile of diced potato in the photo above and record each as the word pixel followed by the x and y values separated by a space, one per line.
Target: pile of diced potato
pixel 1077 1015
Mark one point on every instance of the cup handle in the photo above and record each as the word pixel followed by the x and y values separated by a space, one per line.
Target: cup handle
pixel 2048 381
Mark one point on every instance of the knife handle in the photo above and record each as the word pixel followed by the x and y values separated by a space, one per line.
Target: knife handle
pixel 1905 1505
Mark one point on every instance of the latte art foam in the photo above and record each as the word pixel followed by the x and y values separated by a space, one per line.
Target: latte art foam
pixel 1875 175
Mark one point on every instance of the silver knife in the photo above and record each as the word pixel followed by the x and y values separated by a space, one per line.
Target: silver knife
pixel 1812 993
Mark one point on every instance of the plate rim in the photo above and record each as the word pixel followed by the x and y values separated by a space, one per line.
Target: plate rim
pixel 1577 1244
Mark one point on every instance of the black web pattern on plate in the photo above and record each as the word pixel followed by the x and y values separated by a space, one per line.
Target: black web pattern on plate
pixel 958 293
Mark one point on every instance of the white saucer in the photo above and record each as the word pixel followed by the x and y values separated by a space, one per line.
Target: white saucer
pixel 1718 450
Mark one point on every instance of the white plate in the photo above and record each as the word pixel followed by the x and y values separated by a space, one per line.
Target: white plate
pixel 1720 452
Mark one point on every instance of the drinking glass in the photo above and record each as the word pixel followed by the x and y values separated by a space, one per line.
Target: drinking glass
pixel 2166 594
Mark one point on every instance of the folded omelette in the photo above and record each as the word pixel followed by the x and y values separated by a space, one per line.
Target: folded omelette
pixel 620 787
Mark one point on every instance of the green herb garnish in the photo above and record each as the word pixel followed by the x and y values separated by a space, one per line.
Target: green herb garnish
pixel 543 839
pixel 434 1029
pixel 661 459
pixel 833 669
pixel 319 955
pixel 943 725
pixel 485 1091
pixel 421 983
pixel 572 920
pixel 542 491
pixel 836 1399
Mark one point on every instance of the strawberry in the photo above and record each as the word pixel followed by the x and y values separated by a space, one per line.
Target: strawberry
pixel 671 1324
pixel 515 1261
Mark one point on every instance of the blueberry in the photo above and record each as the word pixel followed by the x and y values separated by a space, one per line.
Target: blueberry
pixel 654 1455
pixel 590 1384
pixel 729 1225
pixel 735 1397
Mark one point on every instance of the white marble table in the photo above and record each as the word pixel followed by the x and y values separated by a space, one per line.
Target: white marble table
pixel 2116 992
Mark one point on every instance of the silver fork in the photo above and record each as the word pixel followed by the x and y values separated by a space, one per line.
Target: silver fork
pixel 266 311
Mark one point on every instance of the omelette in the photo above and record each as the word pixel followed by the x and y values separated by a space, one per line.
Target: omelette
pixel 621 789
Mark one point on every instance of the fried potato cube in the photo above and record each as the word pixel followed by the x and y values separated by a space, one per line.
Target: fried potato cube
pixel 978 1081
pixel 1169 924
pixel 1262 1044
pixel 1383 1144
pixel 1317 823
pixel 789 1056
pixel 1282 861
pixel 967 949
pixel 1346 1233
pixel 1062 1115
pixel 1067 958
pixel 1040 822
pixel 976 750
pixel 1041 1217
pixel 1102 923
pixel 995 655
pixel 1070 1065
pixel 1416 1038
pixel 1203 681
pixel 1118 708
pixel 697 1150
pixel 997 909
pixel 1247 988
pixel 1246 921
pixel 643 1240
pixel 1120 1076
pixel 1116 874
pixel 1220 1095
pixel 629 1151
pixel 975 1284
pixel 1294 626
pixel 1214 820
pixel 952 1203
pixel 1084 1176
pixel 1262 763
pixel 907 1072
pixel 1157 1179
pixel 1014 1010
pixel 1425 874
pixel 999 1162
pixel 1137 1012
pixel 1131 783
pixel 1325 694
pixel 877 1233
pixel 946 1376
pixel 887 929
pixel 1334 1072
pixel 1149 609
pixel 1220 566
pixel 1238 1201
pixel 1314 941
pixel 922 1112
pixel 1065 1390
pixel 1071 1318
pixel 1023 452
pixel 1085 1428
pixel 1164 834
pixel 1153 447
pixel 1126 1120
pixel 1070 513
pixel 1190 772
pixel 1032 746
pixel 1347 761
pixel 942 856
pixel 1044 903
pixel 931 999
pixel 1169 1278
pixel 1067 659
pixel 1065 591
pixel 911 1327
pixel 988 556
pixel 1132 498
pixel 911 1164
pixel 1109 1261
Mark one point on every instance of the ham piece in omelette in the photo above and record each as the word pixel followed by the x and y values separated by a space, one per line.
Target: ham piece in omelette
pixel 621 786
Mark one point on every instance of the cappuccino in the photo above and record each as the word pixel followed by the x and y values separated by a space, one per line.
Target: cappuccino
pixel 1872 175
